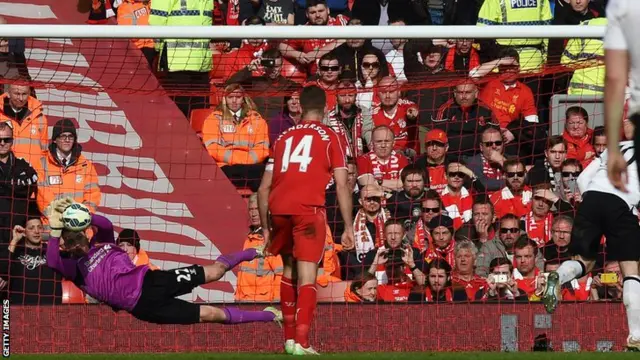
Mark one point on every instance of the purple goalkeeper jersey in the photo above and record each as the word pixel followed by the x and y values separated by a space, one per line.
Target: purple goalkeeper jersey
pixel 106 273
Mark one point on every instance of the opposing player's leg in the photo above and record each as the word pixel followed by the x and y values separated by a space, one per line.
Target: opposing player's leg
pixel 631 300
pixel 585 239
pixel 282 244
pixel 230 315
pixel 309 236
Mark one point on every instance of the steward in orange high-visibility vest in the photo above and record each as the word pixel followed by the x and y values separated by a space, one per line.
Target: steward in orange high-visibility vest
pixel 129 241
pixel 259 279
pixel 136 12
pixel 64 172
pixel 24 114
pixel 235 133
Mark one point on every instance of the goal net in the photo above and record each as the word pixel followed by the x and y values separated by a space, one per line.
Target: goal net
pixel 172 144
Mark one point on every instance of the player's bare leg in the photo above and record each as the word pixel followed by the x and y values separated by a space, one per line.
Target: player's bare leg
pixel 288 299
pixel 236 316
pixel 569 270
pixel 224 263
pixel 631 300
pixel 306 306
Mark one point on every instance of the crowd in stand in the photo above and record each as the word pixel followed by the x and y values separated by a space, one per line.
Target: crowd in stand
pixel 461 193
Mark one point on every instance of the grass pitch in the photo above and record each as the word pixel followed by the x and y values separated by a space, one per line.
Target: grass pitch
pixel 341 356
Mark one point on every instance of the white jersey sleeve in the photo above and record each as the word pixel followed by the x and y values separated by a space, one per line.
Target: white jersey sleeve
pixel 615 37
pixel 600 180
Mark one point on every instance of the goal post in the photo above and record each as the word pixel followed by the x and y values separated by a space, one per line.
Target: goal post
pixel 161 173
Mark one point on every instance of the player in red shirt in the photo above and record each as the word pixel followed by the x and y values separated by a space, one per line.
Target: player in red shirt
pixel 293 190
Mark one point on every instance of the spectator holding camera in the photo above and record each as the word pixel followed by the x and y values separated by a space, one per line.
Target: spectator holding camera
pixel 396 254
pixel 608 284
pixel 570 171
pixel 500 283
pixel 267 85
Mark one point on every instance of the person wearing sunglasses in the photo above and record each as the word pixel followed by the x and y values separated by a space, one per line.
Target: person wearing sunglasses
pixel 503 245
pixel 456 198
pixel 515 197
pixel 487 165
pixel 431 208
pixel 327 79
pixel 571 170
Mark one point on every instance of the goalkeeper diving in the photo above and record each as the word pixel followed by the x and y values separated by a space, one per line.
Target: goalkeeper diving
pixel 105 272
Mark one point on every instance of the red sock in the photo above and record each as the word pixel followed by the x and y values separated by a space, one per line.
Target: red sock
pixel 305 313
pixel 288 297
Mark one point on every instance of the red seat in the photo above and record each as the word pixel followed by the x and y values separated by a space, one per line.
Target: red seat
pixel 71 294
pixel 197 118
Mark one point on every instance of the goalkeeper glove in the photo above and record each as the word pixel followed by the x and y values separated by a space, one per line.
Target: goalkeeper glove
pixel 56 209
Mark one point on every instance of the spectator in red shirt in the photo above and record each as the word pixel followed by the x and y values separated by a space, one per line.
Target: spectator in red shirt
pixel 382 165
pixel 464 276
pixel 526 273
pixel 305 52
pixel 329 71
pixel 456 198
pixel 578 135
pixel 442 245
pixel 395 112
pixel 439 286
pixel 461 56
pixel 249 50
pixel 509 98
pixel 437 145
pixel 515 198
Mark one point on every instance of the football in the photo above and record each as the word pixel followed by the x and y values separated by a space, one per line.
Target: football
pixel 76 217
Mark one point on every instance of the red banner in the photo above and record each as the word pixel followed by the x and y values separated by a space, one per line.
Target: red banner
pixel 155 175
pixel 338 328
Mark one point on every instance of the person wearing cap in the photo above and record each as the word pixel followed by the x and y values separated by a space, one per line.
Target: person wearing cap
pixel 437 144
pixel 383 165
pixel 24 114
pixel 442 244
pixel 64 172
pixel 463 117
pixel 129 241
pixel 352 123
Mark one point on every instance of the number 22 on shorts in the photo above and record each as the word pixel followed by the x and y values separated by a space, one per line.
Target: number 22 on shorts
pixel 183 275
pixel 300 155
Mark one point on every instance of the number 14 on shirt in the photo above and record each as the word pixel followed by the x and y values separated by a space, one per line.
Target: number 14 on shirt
pixel 300 155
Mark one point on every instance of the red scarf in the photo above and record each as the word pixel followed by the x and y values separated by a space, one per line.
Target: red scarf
pixel 420 235
pixel 447 253
pixel 397 292
pixel 528 285
pixel 428 295
pixel 364 240
pixel 474 59
pixel 538 230
pixel 352 140
pixel 490 171
pixel 458 207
